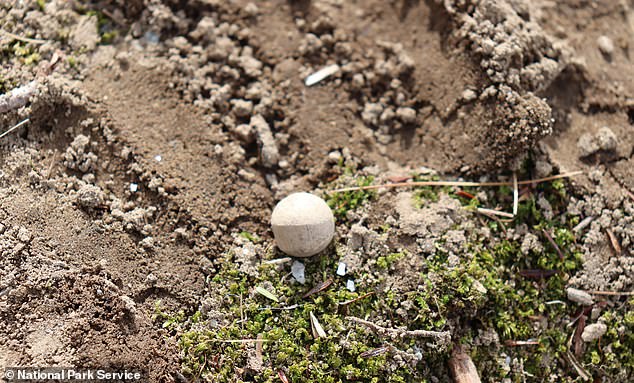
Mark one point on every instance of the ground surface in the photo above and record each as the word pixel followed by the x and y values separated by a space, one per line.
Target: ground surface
pixel 134 205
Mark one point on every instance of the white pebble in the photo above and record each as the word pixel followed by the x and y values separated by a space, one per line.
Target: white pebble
pixel 350 285
pixel 579 296
pixel 593 332
pixel 303 224
pixel 606 46
pixel 134 187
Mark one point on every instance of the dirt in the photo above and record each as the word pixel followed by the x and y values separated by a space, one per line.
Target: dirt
pixel 148 152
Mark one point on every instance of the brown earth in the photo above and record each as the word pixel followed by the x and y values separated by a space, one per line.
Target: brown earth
pixel 84 259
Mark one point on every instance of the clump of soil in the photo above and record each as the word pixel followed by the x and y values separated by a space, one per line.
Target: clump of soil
pixel 161 134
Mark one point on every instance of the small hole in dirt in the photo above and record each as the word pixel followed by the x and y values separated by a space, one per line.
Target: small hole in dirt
pixel 630 116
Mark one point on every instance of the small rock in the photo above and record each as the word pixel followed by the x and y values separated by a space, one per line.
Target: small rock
pixel 593 332
pixel 242 108
pixel 244 133
pixel 606 139
pixel 469 95
pixel 407 115
pixel 371 113
pixel 587 145
pixel 606 46
pixel 350 286
pixel 579 296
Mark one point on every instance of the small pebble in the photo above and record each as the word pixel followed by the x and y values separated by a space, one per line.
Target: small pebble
pixel 579 296
pixel 606 46
pixel 133 187
pixel 606 139
pixel 593 332
pixel 350 285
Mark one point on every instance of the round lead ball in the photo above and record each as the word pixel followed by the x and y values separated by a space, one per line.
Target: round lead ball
pixel 303 224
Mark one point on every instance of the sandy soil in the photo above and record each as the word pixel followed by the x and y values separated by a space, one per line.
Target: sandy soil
pixel 143 159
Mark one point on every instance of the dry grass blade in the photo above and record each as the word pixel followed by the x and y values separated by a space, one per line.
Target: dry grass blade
pixel 495 212
pixel 553 244
pixel 614 242
pixel 375 352
pixel 264 292
pixel 458 183
pixel 612 293
pixel 319 288
pixel 516 194
pixel 356 299
pixel 15 127
pixel 23 39
pixel 516 343
pixel 537 273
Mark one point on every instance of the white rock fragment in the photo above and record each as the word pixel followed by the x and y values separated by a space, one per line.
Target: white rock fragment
pixel 606 46
pixel 579 296
pixel 303 224
pixel 350 286
pixel 297 270
pixel 321 74
pixel 341 269
pixel 158 158
pixel 606 139
pixel 133 187
pixel 407 115
pixel 268 148
pixel 593 332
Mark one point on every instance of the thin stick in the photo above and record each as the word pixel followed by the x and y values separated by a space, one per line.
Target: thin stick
pixel 613 293
pixel 516 194
pixel 495 212
pixel 23 39
pixel 553 244
pixel 457 183
pixel 443 336
pixel 15 127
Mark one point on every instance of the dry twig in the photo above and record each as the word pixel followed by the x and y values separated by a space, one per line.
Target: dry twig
pixel 23 39
pixel 458 183
pixel 443 337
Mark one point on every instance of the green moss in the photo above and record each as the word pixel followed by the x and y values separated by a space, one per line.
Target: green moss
pixel 250 237
pixel 342 202
pixel 24 51
pixel 386 262
pixel 105 27
pixel 613 355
